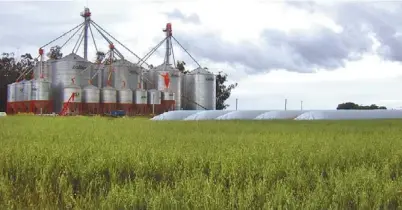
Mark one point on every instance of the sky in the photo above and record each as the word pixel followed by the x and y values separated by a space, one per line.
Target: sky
pixel 320 53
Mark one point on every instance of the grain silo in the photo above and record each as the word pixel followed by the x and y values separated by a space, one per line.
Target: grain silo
pixel 168 100
pixel 154 100
pixel 91 100
pixel 64 70
pixel 199 90
pixel 27 94
pixel 11 91
pixel 123 71
pixel 72 99
pixel 108 96
pixel 125 99
pixel 19 96
pixel 140 101
pixel 41 96
pixel 165 78
pixel 43 70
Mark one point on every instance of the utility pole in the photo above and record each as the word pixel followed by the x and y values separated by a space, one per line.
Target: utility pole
pixel 286 103
pixel 301 105
pixel 236 103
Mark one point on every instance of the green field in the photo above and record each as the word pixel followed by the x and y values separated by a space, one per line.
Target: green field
pixel 101 163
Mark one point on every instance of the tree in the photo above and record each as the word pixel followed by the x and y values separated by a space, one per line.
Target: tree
pixel 353 106
pixel 181 66
pixel 10 71
pixel 223 91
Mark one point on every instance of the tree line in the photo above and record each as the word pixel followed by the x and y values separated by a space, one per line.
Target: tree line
pixel 11 69
pixel 353 106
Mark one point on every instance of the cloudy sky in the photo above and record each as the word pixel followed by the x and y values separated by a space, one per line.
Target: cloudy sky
pixel 322 53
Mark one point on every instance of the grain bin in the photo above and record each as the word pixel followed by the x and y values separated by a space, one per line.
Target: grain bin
pixel 19 91
pixel 27 91
pixel 140 101
pixel 46 70
pixel 91 99
pixel 11 92
pixel 168 100
pixel 69 67
pixel 199 90
pixel 108 99
pixel 125 100
pixel 135 78
pixel 123 70
pixel 40 90
pixel 154 97
pixel 91 94
pixel 166 78
pixel 108 95
pixel 69 91
pixel 140 96
pixel 125 96
pixel 41 96
pixel 72 98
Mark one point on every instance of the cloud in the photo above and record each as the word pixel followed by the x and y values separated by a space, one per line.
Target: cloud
pixel 299 50
pixel 378 18
pixel 177 14
pixel 318 47
pixel 30 25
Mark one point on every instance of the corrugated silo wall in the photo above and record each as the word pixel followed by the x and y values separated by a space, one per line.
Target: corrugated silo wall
pixel 64 70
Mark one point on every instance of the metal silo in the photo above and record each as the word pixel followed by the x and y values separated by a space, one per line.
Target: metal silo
pixel 168 96
pixel 125 96
pixel 63 71
pixel 72 98
pixel 166 78
pixel 27 90
pixel 91 95
pixel 11 92
pixel 168 100
pixel 154 97
pixel 71 89
pixel 121 73
pixel 200 90
pixel 125 100
pixel 140 96
pixel 108 95
pixel 91 99
pixel 40 90
pixel 108 99
pixel 146 79
pixel 19 91
pixel 41 96
pixel 140 101
pixel 46 68
pixel 134 78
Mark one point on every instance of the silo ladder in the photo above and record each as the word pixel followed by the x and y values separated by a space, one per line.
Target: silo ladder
pixel 66 105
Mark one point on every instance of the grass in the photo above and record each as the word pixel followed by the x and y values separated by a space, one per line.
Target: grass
pixel 101 163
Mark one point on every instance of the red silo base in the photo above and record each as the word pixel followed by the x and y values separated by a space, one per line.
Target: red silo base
pixel 20 107
pixel 155 109
pixel 9 108
pixel 107 108
pixel 27 105
pixel 128 108
pixel 91 108
pixel 168 105
pixel 73 108
pixel 141 109
pixel 14 106
pixel 41 107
